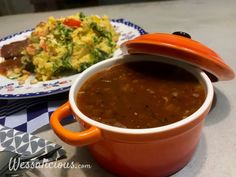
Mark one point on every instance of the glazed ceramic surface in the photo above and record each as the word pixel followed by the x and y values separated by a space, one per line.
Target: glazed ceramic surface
pixel 150 152
pixel 181 49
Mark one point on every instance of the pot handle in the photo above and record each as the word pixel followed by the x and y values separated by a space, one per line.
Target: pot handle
pixel 89 136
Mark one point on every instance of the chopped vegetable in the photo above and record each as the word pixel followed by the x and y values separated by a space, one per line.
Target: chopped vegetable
pixel 69 44
pixel 72 22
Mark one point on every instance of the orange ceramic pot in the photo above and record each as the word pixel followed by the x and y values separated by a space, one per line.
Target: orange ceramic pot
pixel 150 152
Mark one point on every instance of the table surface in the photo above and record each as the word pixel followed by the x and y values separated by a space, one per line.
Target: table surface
pixel 213 23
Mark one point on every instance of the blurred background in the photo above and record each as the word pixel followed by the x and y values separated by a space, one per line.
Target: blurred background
pixel 9 7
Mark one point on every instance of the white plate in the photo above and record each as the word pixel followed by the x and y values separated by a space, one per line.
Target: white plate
pixel 10 89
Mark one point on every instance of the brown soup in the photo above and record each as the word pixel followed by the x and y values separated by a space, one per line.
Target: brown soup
pixel 140 95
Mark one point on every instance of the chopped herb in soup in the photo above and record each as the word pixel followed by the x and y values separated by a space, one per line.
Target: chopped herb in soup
pixel 140 95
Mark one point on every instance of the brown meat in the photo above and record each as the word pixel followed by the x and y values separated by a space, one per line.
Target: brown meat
pixel 9 64
pixel 13 49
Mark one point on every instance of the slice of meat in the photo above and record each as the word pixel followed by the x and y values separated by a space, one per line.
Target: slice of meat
pixel 10 64
pixel 13 49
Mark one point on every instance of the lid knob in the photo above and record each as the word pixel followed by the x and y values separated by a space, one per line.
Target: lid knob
pixel 181 33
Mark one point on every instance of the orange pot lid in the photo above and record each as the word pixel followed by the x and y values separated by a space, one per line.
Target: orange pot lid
pixel 182 49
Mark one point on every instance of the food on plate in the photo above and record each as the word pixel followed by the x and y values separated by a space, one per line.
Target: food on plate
pixel 13 49
pixel 140 95
pixel 61 46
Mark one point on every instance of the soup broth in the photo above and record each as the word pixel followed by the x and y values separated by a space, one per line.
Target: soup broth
pixel 140 95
